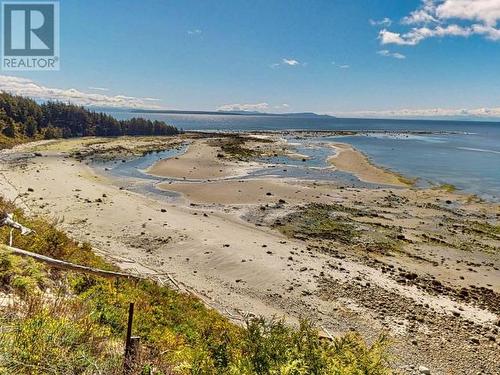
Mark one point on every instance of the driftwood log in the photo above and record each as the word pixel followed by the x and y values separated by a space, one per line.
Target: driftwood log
pixel 56 263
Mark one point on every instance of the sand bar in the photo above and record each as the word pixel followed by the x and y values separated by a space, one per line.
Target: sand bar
pixel 350 160
pixel 199 162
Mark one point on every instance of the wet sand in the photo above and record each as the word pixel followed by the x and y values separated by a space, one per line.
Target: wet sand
pixel 350 160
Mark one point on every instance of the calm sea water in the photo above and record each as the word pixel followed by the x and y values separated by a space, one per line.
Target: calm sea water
pixel 465 154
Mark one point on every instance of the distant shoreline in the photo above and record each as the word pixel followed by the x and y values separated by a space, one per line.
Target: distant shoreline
pixel 231 113
pixel 306 115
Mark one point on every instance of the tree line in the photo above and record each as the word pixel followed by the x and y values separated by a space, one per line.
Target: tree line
pixel 24 117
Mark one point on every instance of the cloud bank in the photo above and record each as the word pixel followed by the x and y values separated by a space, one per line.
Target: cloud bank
pixel 98 88
pixel 27 87
pixel 244 107
pixel 485 113
pixel 443 18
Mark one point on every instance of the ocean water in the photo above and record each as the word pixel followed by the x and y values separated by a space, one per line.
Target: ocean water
pixel 465 154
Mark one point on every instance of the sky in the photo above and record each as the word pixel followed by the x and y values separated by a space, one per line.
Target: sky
pixel 382 58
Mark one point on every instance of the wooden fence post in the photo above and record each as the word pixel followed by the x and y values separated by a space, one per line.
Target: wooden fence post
pixel 132 344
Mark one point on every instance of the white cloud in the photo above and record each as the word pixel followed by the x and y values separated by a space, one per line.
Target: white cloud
pixel 388 53
pixel 282 107
pixel 98 88
pixel 427 112
pixel 485 11
pixel 288 62
pixel 490 32
pixel 416 35
pixel 194 32
pixel 422 15
pixel 441 18
pixel 27 87
pixel 291 62
pixel 244 107
pixel 342 66
pixel 383 22
pixel 389 37
pixel 418 17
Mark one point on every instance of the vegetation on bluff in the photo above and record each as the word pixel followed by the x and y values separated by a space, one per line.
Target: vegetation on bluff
pixel 60 322
pixel 22 119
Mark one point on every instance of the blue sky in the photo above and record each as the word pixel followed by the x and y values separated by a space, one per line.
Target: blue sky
pixel 327 56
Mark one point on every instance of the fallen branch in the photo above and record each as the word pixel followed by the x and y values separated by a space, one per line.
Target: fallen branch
pixel 56 263
pixel 8 219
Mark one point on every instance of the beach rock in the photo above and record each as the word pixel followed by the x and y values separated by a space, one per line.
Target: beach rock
pixel 410 275
pixel 424 370
pixel 474 340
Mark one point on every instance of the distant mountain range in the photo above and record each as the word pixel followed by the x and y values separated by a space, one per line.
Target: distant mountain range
pixel 234 113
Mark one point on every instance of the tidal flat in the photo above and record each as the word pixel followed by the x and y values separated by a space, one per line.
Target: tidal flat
pixel 253 225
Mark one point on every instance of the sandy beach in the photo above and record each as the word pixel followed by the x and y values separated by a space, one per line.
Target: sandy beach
pixel 348 159
pixel 254 191
pixel 229 242
pixel 199 162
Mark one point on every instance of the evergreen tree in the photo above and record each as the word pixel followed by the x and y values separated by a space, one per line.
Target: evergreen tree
pixel 57 119
pixel 30 127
